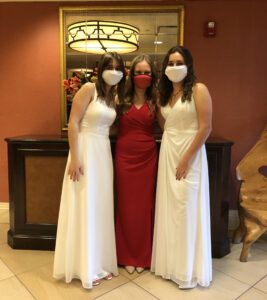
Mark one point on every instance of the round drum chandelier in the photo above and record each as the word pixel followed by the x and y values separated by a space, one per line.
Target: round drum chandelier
pixel 98 37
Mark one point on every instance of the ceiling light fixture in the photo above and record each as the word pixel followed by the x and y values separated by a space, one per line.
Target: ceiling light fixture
pixel 99 37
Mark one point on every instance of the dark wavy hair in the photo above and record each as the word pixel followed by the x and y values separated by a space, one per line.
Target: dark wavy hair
pixel 118 89
pixel 165 85
pixel 150 92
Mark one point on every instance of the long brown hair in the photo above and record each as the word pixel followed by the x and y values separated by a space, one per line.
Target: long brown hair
pixel 118 89
pixel 165 85
pixel 150 92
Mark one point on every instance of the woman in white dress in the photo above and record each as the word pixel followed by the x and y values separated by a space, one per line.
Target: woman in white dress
pixel 182 242
pixel 85 245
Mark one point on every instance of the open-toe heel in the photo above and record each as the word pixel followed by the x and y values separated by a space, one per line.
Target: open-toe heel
pixel 130 269
pixel 139 270
pixel 108 277
pixel 96 282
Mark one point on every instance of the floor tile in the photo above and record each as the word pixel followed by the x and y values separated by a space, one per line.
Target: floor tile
pixel 4 271
pixel 261 243
pixel 3 233
pixel 12 289
pixel 223 287
pixel 262 285
pixel 248 272
pixel 4 216
pixel 235 248
pixel 44 287
pixel 19 261
pixel 123 272
pixel 253 294
pixel 33 269
pixel 129 291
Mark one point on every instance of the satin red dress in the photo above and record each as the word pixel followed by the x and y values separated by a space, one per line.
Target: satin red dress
pixel 135 171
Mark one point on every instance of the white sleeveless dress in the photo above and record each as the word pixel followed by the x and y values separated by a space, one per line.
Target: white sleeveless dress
pixel 85 245
pixel 182 241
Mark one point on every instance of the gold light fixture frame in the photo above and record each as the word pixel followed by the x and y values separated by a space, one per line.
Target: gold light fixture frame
pixel 100 36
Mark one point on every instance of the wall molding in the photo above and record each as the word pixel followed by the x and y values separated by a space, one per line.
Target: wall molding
pixel 4 205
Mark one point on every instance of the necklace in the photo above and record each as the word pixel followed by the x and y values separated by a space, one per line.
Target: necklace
pixel 173 99
pixel 175 94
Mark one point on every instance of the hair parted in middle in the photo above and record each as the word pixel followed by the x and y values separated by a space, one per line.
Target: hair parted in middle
pixel 150 93
pixel 165 85
pixel 118 89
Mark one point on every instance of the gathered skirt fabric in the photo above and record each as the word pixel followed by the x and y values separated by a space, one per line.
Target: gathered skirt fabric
pixel 136 169
pixel 182 241
pixel 85 244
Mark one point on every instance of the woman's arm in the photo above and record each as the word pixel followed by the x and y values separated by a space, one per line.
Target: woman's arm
pixel 204 111
pixel 79 105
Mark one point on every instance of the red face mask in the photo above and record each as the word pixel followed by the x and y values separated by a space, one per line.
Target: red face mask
pixel 142 81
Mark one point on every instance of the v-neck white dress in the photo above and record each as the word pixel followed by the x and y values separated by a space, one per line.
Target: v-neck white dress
pixel 182 241
pixel 85 245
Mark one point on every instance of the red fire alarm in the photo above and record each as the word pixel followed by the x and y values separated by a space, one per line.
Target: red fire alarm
pixel 210 29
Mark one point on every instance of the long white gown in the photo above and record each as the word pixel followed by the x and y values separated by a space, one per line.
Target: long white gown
pixel 85 245
pixel 182 241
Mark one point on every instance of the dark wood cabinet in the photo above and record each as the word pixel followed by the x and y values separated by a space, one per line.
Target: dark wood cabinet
pixel 219 160
pixel 36 166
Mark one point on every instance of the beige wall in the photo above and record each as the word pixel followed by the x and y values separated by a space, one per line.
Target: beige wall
pixel 233 65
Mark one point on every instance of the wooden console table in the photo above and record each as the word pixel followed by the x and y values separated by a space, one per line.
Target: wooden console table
pixel 36 165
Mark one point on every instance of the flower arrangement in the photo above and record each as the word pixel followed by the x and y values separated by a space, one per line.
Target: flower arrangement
pixel 75 82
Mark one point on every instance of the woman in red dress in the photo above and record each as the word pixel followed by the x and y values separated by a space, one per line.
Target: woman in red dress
pixel 136 167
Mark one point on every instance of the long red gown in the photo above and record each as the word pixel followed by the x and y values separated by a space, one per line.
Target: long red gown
pixel 135 169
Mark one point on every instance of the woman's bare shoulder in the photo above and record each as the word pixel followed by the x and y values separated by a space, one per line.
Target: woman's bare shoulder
pixel 89 86
pixel 199 87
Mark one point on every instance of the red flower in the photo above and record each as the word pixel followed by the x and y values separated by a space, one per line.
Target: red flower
pixel 72 85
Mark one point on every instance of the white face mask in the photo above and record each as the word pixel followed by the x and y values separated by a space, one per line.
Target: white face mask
pixel 112 77
pixel 176 73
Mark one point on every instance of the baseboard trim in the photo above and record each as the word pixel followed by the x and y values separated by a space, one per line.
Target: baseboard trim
pixel 4 205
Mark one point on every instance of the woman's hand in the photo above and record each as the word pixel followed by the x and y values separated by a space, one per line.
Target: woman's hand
pixel 204 113
pixel 182 169
pixel 80 103
pixel 75 170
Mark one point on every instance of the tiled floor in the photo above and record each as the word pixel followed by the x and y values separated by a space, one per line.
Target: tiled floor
pixel 27 275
